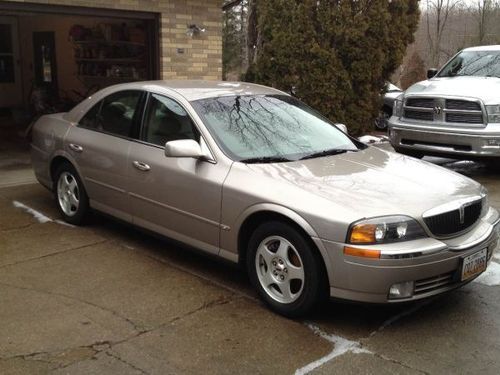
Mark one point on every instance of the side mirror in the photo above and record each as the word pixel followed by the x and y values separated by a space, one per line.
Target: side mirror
pixel 342 127
pixel 183 148
pixel 431 73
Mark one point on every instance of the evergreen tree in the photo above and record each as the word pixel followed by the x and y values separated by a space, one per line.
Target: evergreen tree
pixel 333 55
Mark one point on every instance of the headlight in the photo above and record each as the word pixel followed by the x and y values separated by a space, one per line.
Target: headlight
pixel 397 108
pixel 493 113
pixel 385 229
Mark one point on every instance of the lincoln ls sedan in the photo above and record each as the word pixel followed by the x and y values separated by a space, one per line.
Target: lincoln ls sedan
pixel 252 175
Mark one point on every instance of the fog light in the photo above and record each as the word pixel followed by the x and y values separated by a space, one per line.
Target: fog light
pixel 401 290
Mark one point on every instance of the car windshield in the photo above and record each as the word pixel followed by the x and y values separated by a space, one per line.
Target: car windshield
pixel 473 63
pixel 270 128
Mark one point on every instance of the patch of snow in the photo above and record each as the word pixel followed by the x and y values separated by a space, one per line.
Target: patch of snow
pixel 37 215
pixel 371 139
pixel 64 223
pixel 341 346
pixel 490 277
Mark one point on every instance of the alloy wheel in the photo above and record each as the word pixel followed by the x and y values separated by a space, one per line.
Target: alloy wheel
pixel 280 269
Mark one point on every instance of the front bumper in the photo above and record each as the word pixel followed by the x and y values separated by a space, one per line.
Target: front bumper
pixel 432 270
pixel 438 140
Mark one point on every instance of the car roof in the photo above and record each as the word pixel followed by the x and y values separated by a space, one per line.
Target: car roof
pixel 198 89
pixel 189 89
pixel 484 48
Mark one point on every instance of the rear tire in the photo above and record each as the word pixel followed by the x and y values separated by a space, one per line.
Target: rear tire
pixel 71 197
pixel 286 269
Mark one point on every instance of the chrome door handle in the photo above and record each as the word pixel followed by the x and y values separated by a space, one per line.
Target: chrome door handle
pixel 76 148
pixel 141 166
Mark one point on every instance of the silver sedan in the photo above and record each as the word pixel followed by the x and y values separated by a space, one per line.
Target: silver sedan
pixel 254 176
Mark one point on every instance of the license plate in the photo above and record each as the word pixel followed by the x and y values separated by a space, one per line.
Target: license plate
pixel 474 264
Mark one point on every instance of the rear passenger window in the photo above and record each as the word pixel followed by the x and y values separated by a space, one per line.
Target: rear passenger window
pixel 118 111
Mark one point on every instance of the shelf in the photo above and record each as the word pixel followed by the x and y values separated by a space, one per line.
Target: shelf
pixel 111 78
pixel 111 60
pixel 109 42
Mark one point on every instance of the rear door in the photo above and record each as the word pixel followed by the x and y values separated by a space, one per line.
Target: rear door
pixel 178 197
pixel 100 145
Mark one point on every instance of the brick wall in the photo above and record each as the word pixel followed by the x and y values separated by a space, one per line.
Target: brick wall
pixel 202 54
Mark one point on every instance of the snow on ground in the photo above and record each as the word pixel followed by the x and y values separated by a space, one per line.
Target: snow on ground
pixel 491 276
pixel 341 346
pixel 371 139
pixel 38 215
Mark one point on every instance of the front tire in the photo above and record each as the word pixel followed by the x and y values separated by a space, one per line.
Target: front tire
pixel 286 269
pixel 70 194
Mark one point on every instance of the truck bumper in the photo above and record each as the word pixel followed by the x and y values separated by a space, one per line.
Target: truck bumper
pixel 434 141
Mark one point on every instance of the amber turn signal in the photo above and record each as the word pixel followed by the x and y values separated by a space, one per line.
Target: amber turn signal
pixel 363 233
pixel 365 253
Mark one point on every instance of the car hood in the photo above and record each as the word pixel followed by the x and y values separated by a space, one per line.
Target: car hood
pixel 485 88
pixel 367 183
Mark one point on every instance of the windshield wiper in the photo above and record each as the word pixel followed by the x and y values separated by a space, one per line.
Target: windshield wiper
pixel 333 151
pixel 265 159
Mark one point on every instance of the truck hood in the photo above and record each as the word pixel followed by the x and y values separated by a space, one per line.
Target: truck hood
pixel 486 89
pixel 367 183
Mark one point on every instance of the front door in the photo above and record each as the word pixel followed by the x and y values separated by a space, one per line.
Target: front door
pixel 10 75
pixel 178 197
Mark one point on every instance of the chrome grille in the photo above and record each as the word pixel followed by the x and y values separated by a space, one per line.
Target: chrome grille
pixel 465 118
pixel 433 283
pixel 453 111
pixel 455 221
pixel 420 102
pixel 464 105
pixel 418 115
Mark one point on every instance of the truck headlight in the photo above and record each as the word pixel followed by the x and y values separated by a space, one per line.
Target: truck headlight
pixel 493 112
pixel 385 229
pixel 397 108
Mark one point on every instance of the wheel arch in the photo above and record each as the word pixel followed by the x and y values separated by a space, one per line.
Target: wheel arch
pixel 256 215
pixel 58 159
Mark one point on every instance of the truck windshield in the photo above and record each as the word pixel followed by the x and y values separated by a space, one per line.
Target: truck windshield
pixel 473 63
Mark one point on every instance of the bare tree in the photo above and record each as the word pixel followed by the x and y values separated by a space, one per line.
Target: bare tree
pixel 484 12
pixel 437 15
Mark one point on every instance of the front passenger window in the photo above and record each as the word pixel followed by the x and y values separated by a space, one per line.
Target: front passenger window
pixel 167 121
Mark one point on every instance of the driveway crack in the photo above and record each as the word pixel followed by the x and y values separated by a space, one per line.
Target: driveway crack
pixel 53 254
pixel 61 295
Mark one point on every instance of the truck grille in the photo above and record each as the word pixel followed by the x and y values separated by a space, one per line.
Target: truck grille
pixel 455 111
pixel 453 222
pixel 417 115
pixel 420 102
pixel 465 118
pixel 463 105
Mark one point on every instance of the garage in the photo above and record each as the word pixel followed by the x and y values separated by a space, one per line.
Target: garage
pixel 52 57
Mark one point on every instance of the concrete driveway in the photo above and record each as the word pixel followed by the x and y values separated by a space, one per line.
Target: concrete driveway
pixel 107 298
